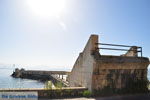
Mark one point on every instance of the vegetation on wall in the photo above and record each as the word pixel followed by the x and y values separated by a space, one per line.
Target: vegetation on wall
pixel 132 86
pixel 136 86
pixel 59 85
pixel 87 93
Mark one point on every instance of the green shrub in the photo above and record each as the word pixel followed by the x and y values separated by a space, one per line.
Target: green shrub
pixel 48 85
pixel 87 93
pixel 59 85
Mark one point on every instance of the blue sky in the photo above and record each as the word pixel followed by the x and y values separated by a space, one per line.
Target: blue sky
pixel 29 39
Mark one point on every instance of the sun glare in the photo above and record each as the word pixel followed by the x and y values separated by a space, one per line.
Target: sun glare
pixel 47 8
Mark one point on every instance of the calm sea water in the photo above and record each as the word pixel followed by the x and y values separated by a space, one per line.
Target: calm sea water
pixel 6 81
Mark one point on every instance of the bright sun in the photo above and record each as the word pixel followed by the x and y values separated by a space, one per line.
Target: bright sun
pixel 47 8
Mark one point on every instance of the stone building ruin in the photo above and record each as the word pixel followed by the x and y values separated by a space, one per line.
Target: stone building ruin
pixel 96 72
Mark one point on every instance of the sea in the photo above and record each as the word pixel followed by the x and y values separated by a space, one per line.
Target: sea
pixel 8 82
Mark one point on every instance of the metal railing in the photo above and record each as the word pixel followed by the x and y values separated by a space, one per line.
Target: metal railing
pixel 139 49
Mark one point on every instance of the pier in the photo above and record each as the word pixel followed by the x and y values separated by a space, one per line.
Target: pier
pixel 54 76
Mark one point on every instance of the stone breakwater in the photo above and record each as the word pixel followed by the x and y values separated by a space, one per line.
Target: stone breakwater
pixel 22 73
pixel 43 76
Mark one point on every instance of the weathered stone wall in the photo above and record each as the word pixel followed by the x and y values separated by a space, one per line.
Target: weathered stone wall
pixel 116 71
pixel 95 71
pixel 81 74
pixel 52 93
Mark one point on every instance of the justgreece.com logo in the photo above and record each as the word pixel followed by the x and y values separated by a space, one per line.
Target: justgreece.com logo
pixel 18 96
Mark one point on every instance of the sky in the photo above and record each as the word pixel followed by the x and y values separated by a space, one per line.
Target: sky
pixel 33 33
